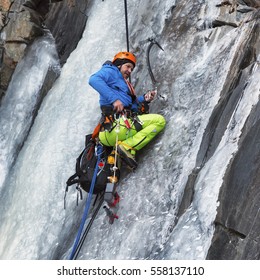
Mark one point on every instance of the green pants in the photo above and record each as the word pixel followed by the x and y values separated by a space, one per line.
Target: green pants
pixel 152 124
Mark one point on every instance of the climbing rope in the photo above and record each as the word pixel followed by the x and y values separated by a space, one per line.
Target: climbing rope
pixel 88 227
pixel 126 25
pixel 117 130
pixel 88 202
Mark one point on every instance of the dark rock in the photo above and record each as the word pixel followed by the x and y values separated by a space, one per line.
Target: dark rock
pixel 22 26
pixel 66 20
pixel 68 29
pixel 237 231
pixel 237 224
pixel 252 3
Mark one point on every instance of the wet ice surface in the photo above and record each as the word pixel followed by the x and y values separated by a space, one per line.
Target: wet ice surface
pixel 33 223
pixel 22 98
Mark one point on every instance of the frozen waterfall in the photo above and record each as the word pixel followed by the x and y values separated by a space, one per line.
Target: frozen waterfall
pixel 34 168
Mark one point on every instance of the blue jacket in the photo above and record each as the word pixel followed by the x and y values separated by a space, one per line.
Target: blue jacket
pixel 111 85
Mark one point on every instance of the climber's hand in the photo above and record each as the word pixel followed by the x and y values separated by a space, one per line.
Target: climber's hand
pixel 150 95
pixel 118 106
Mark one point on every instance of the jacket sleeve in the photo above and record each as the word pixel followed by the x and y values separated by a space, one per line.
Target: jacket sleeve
pixel 99 81
pixel 140 105
pixel 140 98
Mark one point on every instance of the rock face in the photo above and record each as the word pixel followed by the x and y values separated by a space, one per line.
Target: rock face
pixel 237 225
pixel 21 24
pixel 237 222
pixel 68 29
pixel 23 21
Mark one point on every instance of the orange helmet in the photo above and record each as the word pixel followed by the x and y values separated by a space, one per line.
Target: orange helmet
pixel 125 55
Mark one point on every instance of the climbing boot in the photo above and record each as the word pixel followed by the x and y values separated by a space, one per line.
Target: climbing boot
pixel 127 156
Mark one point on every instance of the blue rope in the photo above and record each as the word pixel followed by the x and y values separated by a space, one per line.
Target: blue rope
pixel 88 203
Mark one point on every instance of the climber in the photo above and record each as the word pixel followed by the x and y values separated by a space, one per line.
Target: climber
pixel 120 104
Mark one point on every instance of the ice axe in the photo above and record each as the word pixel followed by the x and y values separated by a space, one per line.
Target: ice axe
pixel 152 42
